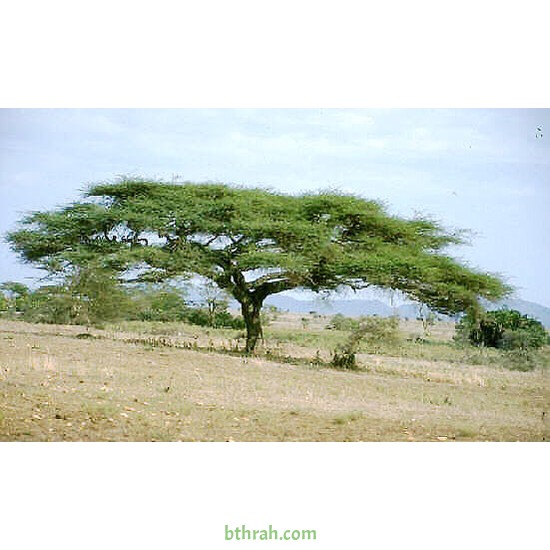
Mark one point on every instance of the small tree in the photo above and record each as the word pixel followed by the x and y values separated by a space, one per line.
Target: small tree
pixel 52 304
pixel 253 243
pixel 98 295
pixel 86 296
pixel 427 318
pixel 156 302
pixel 216 301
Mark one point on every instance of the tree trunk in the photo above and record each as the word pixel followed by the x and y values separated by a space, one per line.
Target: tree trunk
pixel 251 315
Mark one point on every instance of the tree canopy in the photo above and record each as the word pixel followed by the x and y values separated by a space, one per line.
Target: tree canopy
pixel 253 243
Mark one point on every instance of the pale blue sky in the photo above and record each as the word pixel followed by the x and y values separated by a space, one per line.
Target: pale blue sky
pixel 479 169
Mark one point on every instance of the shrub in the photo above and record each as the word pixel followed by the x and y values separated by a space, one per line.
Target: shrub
pixel 13 297
pixel 220 319
pixel 88 296
pixel 506 329
pixel 226 320
pixel 341 322
pixel 373 330
pixel 379 331
pixel 152 302
pixel 52 305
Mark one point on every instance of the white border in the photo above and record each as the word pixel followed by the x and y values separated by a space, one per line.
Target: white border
pixel 266 54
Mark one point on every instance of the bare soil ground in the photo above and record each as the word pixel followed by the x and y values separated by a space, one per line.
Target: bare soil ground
pixel 131 383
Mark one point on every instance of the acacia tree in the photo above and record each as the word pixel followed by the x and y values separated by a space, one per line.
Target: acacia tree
pixel 253 243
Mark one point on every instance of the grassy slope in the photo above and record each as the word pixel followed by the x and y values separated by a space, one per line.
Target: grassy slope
pixel 56 386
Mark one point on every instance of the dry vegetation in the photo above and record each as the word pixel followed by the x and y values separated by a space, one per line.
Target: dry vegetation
pixel 172 382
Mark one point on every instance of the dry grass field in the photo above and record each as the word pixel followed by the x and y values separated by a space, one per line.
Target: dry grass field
pixel 172 382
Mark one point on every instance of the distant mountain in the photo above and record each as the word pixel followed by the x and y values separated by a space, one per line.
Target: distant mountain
pixel 356 308
pixel 350 308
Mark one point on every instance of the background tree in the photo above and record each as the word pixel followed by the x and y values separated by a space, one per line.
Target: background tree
pixel 503 328
pixel 427 318
pixel 156 302
pixel 97 295
pixel 253 243
pixel 214 299
pixel 14 296
pixel 86 295
pixel 52 304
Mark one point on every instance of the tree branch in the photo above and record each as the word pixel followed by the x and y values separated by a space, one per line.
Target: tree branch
pixel 274 287
pixel 269 278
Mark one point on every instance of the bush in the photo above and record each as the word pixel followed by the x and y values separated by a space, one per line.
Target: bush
pixel 341 322
pixel 220 319
pixel 88 296
pixel 226 320
pixel 150 302
pixel 506 329
pixel 51 305
pixel 372 330
pixel 13 298
pixel 381 331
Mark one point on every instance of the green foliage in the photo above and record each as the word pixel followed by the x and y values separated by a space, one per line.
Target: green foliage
pixel 220 319
pixel 253 243
pixel 215 301
pixel 98 295
pixel 379 330
pixel 14 289
pixel 93 296
pixel 87 296
pixel 341 322
pixel 166 303
pixel 374 331
pixel 151 302
pixel 52 305
pixel 13 296
pixel 506 329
